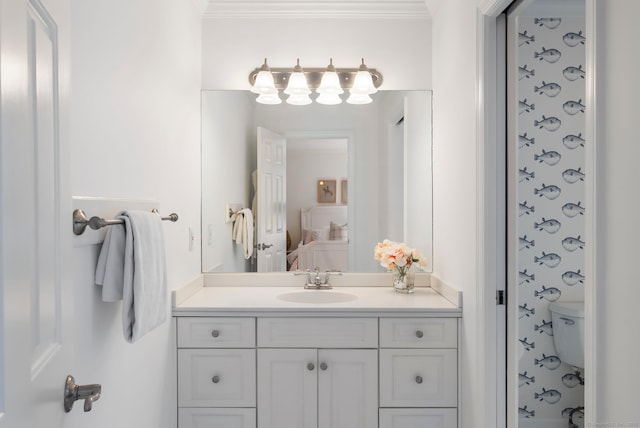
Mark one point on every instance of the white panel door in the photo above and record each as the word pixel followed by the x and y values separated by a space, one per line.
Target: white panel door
pixel 35 276
pixel 348 388
pixel 272 202
pixel 287 388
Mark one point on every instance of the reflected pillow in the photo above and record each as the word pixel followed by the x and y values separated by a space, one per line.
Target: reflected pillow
pixel 338 232
pixel 320 234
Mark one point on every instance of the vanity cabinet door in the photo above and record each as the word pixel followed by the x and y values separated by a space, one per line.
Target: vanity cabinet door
pixel 216 378
pixel 418 333
pixel 216 332
pixel 418 378
pixel 287 388
pixel 418 418
pixel 348 388
pixel 309 388
pixel 202 417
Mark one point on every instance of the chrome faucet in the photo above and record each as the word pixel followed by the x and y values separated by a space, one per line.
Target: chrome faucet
pixel 315 280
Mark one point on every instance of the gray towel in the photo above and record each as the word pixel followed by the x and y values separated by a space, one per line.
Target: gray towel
pixel 132 268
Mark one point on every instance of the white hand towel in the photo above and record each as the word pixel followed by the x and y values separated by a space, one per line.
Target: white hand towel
pixel 247 231
pixel 110 268
pixel 242 231
pixel 132 267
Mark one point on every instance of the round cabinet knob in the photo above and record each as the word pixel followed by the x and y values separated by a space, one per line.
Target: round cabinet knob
pixel 310 366
pixel 418 379
pixel 215 333
pixel 215 379
pixel 323 366
pixel 419 334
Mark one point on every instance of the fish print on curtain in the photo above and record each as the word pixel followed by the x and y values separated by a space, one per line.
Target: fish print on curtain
pixel 550 193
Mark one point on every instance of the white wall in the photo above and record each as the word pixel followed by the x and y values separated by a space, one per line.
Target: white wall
pixel 233 47
pixel 612 285
pixel 454 180
pixel 135 134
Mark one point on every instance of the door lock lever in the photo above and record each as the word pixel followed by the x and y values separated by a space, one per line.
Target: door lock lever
pixel 73 392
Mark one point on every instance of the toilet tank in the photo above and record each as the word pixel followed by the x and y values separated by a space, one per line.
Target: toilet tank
pixel 568 331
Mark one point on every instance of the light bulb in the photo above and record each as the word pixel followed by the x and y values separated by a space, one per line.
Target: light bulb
pixel 299 100
pixel 297 82
pixel 330 83
pixel 363 82
pixel 264 83
pixel 270 99
pixel 329 99
pixel 359 99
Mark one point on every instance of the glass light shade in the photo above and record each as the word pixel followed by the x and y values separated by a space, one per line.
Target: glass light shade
pixel 363 83
pixel 264 83
pixel 359 99
pixel 330 84
pixel 329 99
pixel 299 100
pixel 270 99
pixel 297 84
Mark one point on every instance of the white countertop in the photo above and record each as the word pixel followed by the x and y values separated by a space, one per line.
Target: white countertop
pixel 238 300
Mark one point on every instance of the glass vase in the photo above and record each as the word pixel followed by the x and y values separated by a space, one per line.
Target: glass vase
pixel 404 280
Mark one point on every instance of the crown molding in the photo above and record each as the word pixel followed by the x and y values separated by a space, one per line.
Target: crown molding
pixel 398 9
pixel 493 8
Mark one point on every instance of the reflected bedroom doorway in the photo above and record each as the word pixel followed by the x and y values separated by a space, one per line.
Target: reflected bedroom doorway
pixel 317 203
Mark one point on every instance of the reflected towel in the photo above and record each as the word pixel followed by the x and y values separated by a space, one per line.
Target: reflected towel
pixel 132 268
pixel 243 231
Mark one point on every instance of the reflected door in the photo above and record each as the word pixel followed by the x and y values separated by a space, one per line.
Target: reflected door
pixel 271 210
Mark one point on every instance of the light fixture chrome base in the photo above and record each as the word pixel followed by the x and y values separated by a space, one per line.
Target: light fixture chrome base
pixel 314 76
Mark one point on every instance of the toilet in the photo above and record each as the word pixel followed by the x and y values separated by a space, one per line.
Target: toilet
pixel 568 331
pixel 568 336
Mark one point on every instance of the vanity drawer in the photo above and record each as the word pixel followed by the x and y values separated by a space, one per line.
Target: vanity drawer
pixel 216 332
pixel 216 377
pixel 418 418
pixel 418 378
pixel 418 333
pixel 216 418
pixel 318 333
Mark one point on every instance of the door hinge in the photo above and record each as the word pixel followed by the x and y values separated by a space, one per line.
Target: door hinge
pixel 501 297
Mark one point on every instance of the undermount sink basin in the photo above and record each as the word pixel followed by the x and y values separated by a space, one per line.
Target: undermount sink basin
pixel 317 296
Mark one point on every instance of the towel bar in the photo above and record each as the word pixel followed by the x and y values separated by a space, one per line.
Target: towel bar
pixel 81 221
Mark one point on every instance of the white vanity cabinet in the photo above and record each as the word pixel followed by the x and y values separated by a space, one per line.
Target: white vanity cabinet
pixel 339 369
pixel 324 388
pixel 418 372
pixel 317 372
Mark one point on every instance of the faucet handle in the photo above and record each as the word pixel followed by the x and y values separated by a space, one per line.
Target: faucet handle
pixel 304 272
pixel 329 272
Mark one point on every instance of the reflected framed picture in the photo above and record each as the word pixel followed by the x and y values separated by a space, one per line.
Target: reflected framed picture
pixel 327 191
pixel 343 192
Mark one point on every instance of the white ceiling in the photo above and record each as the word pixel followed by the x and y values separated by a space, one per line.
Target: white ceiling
pixel 318 8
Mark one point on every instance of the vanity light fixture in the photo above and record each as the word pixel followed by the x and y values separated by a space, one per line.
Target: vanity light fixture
pixel 330 88
pixel 263 83
pixel 329 83
pixel 297 88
